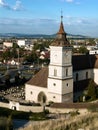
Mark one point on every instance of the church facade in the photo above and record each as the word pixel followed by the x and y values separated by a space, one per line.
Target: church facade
pixel 65 77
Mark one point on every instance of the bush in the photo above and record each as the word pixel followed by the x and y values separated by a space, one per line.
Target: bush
pixel 46 111
pixel 6 123
pixel 74 113
pixel 93 108
pixel 5 112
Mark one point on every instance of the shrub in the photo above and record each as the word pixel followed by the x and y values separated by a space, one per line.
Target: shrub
pixel 46 111
pixel 6 123
pixel 93 108
pixel 74 113
pixel 5 112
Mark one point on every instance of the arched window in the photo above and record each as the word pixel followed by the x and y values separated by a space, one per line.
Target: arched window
pixel 77 77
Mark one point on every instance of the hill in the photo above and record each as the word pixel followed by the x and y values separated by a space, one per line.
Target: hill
pixel 17 35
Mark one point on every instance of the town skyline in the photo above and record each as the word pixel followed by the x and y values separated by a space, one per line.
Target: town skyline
pixel 43 16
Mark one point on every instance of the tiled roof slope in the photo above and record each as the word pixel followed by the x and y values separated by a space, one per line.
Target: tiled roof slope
pixel 81 62
pixel 40 79
pixel 61 39
pixel 61 29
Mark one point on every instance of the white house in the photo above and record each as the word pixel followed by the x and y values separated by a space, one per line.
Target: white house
pixel 23 43
pixel 95 51
pixel 7 44
pixel 65 77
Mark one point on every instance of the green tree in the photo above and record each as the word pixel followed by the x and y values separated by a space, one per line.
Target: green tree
pixel 38 46
pixel 92 90
pixel 91 41
pixel 83 50
pixel 31 57
pixel 7 80
pixel 6 55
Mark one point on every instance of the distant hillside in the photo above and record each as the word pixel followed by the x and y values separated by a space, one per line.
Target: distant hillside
pixel 17 35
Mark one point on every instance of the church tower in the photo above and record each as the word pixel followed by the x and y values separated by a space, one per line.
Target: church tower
pixel 60 76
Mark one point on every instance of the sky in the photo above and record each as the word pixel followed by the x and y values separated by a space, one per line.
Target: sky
pixel 80 17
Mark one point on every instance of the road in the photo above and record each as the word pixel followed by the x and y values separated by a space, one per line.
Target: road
pixel 19 123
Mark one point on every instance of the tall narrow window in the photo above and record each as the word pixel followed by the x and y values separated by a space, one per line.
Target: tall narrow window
pixel 77 77
pixel 55 72
pixel 66 72
pixel 86 75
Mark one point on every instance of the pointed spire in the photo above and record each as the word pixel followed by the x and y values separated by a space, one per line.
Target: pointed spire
pixel 61 39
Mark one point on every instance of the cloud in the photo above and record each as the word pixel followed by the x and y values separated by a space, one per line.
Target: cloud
pixel 4 4
pixel 35 26
pixel 77 2
pixel 69 0
pixel 73 25
pixel 17 7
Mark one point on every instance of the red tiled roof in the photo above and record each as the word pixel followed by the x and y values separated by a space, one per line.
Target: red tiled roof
pixel 40 79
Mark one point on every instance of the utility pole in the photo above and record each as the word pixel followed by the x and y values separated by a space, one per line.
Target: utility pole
pixel 18 57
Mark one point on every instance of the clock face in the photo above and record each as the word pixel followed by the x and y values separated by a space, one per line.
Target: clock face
pixel 54 56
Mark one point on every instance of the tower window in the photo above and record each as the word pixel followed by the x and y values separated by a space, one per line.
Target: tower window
pixel 54 84
pixel 67 84
pixel 31 92
pixel 55 72
pixel 67 72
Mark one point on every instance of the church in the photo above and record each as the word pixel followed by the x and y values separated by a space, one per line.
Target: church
pixel 66 76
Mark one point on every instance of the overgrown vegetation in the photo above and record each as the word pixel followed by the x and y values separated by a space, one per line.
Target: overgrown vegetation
pixel 4 112
pixel 90 93
pixel 84 122
pixel 92 90
pixel 7 116
pixel 6 123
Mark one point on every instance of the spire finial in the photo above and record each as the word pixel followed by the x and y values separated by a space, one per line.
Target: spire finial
pixel 61 15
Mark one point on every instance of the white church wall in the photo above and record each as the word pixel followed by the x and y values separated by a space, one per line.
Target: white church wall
pixel 83 74
pixel 54 86
pixel 60 72
pixel 67 86
pixel 33 91
pixel 96 75
pixel 54 97
pixel 55 90
pixel 56 55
